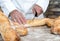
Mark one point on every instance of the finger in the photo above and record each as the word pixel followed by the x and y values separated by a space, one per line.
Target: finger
pixel 13 19
pixel 17 19
pixel 22 18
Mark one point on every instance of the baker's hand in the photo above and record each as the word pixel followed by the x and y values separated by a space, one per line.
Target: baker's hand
pixel 17 16
pixel 37 9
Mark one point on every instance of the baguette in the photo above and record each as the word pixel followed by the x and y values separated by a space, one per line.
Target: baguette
pixel 20 29
pixel 8 34
pixel 39 22
pixel 56 26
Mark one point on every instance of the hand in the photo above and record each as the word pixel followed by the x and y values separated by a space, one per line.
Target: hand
pixel 37 9
pixel 17 16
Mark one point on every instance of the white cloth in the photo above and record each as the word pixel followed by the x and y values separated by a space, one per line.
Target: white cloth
pixel 24 6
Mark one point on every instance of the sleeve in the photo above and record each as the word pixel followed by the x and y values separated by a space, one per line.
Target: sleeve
pixel 7 6
pixel 43 4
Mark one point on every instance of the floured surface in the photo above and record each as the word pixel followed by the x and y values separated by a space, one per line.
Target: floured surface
pixel 39 34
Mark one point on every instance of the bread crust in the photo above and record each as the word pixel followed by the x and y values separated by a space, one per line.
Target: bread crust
pixel 8 34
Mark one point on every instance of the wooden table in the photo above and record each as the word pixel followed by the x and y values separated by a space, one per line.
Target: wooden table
pixel 39 34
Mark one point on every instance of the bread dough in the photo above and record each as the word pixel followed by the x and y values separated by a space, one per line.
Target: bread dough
pixel 8 34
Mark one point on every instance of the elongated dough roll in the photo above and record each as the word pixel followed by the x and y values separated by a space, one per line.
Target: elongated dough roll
pixel 8 34
pixel 56 26
pixel 20 29
pixel 39 22
pixel 36 22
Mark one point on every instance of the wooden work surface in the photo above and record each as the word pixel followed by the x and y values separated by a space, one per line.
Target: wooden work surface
pixel 39 34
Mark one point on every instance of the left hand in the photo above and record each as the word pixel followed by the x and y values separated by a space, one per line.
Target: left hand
pixel 18 17
pixel 37 9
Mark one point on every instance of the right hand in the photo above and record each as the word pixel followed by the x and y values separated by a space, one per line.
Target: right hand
pixel 17 16
pixel 37 9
